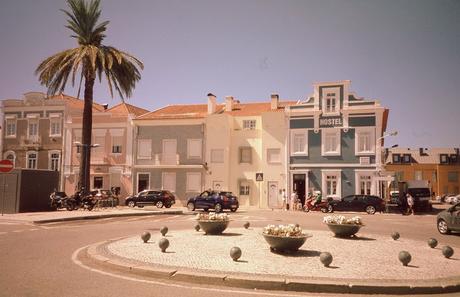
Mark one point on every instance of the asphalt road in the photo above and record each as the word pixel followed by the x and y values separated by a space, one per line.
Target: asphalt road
pixel 36 260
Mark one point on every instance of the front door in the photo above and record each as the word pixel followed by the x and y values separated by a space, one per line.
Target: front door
pixel 143 182
pixel 299 186
pixel 273 194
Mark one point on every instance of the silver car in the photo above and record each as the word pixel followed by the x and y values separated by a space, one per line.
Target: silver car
pixel 449 220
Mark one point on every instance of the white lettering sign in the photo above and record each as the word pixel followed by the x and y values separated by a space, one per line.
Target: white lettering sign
pixel 330 122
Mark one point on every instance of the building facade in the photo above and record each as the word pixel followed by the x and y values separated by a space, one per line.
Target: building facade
pixel 334 143
pixel 440 167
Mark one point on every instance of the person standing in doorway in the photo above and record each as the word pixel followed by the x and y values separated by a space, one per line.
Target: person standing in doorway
pixel 283 196
pixel 293 200
pixel 410 204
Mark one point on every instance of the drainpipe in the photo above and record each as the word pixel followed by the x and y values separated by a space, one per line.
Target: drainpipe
pixel 287 149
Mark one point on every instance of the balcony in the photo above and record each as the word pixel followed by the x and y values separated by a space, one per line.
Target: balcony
pixel 166 159
pixel 30 141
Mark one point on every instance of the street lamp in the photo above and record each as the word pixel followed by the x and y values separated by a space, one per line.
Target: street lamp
pixel 379 163
pixel 86 148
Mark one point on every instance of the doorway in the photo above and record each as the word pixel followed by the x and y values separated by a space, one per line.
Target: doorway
pixel 273 194
pixel 143 181
pixel 298 185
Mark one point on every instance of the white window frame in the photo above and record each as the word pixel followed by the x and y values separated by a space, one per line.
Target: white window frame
pixel 371 132
pixel 34 122
pixel 13 122
pixel 148 144
pixel 55 119
pixel 29 159
pixel 249 124
pixel 10 153
pixel 217 156
pixel 240 157
pixel 326 94
pixel 358 175
pixel 116 145
pixel 326 134
pixel 244 188
pixel 190 187
pixel 50 160
pixel 190 144
pixel 273 152
pixel 332 172
pixel 164 175
pixel 297 133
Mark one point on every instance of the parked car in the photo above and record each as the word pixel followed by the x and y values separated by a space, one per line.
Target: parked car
pixel 217 200
pixel 151 197
pixel 367 203
pixel 449 220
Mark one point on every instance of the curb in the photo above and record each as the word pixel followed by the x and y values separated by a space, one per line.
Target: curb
pixel 93 255
pixel 94 217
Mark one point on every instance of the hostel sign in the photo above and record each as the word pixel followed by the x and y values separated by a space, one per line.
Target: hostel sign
pixel 330 122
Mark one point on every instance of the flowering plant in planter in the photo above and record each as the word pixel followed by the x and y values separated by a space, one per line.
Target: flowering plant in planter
pixel 341 220
pixel 290 230
pixel 212 216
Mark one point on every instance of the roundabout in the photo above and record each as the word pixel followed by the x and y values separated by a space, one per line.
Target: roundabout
pixel 367 263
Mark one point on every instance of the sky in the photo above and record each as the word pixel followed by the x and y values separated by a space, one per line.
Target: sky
pixel 405 53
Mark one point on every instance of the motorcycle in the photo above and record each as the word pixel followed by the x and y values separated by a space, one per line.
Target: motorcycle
pixel 60 200
pixel 80 200
pixel 323 206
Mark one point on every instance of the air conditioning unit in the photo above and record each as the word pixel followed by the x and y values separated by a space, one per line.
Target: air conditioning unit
pixel 364 160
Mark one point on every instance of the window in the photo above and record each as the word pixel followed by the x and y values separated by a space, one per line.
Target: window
pixel 98 152
pixel 396 158
pixel 98 182
pixel 117 144
pixel 331 183
pixel 55 126
pixel 194 148
pixel 249 124
pixel 10 128
pixel 193 182
pixel 365 184
pixel 11 156
pixel 444 159
pixel 144 149
pixel 32 160
pixel 452 176
pixel 55 158
pixel 453 159
pixel 168 181
pixel 245 155
pixel 330 100
pixel 299 142
pixel 418 175
pixel 217 156
pixel 273 156
pixel 244 188
pixel 77 138
pixel 406 158
pixel 330 142
pixel 364 141
pixel 32 130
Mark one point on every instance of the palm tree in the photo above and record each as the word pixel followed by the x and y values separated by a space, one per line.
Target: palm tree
pixel 90 59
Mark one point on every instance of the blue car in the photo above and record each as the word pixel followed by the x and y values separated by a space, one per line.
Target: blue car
pixel 217 200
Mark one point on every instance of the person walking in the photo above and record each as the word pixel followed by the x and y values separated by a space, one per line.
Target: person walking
pixel 410 204
pixel 293 200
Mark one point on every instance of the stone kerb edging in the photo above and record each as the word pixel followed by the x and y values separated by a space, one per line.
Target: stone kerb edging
pixel 95 255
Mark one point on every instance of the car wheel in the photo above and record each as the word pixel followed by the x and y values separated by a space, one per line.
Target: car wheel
pixel 168 205
pixel 218 207
pixel 233 209
pixel 323 209
pixel 370 209
pixel 131 203
pixel 159 204
pixel 442 227
pixel 191 206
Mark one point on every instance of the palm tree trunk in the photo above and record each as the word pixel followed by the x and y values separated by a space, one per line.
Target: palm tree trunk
pixel 87 124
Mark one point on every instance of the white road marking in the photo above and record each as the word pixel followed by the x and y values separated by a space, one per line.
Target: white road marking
pixel 187 287
pixel 1 233
pixel 18 231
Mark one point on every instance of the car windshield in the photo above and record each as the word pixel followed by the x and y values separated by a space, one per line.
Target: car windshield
pixel 419 192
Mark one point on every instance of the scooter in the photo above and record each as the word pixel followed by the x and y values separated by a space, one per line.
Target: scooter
pixel 79 200
pixel 324 206
pixel 59 200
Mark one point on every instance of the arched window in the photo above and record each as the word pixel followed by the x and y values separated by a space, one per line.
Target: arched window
pixel 10 155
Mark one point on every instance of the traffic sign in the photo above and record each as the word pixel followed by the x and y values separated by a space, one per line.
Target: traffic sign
pixel 259 176
pixel 6 166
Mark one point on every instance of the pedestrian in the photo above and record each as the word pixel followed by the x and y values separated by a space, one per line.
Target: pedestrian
pixel 293 200
pixel 283 196
pixel 410 204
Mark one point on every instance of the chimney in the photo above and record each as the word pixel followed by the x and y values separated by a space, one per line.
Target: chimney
pixel 211 103
pixel 274 101
pixel 228 103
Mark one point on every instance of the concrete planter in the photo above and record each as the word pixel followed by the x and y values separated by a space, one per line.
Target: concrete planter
pixel 283 243
pixel 213 227
pixel 344 230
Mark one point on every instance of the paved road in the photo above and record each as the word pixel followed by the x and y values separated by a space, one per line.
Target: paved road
pixel 37 260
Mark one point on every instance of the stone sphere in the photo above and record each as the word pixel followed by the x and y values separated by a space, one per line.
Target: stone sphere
pixel 447 251
pixel 432 242
pixel 164 230
pixel 395 235
pixel 404 257
pixel 145 236
pixel 163 244
pixel 325 258
pixel 246 225
pixel 235 253
pixel 197 227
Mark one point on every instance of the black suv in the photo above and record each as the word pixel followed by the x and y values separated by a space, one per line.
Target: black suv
pixel 151 197
pixel 367 203
pixel 217 200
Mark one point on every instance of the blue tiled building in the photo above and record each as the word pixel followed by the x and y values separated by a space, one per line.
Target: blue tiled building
pixel 335 143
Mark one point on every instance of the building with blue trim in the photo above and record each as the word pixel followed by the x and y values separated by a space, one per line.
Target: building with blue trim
pixel 335 143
